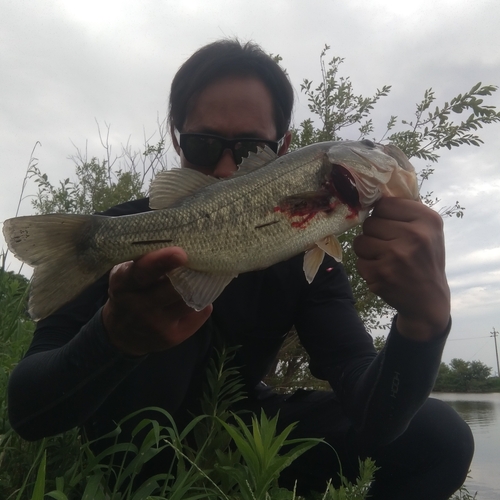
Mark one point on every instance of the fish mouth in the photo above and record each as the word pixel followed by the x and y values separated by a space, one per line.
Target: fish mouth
pixel 342 185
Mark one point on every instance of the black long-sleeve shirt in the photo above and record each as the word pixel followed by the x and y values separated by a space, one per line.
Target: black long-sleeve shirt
pixel 72 375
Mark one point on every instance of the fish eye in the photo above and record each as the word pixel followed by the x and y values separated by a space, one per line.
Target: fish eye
pixel 368 143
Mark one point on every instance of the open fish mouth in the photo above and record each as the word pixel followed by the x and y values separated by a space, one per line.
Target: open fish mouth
pixel 342 185
pixel 363 172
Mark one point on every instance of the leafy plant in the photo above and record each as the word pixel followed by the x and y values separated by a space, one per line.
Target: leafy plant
pixel 336 110
pixel 357 491
pixel 259 450
pixel 464 494
pixel 101 184
pixel 16 329
pixel 245 461
pixel 465 376
pixel 335 105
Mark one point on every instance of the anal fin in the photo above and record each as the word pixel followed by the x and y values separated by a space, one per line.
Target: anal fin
pixel 196 288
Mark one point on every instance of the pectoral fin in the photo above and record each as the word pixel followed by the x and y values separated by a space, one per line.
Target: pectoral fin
pixel 312 260
pixel 198 289
pixel 314 257
pixel 331 245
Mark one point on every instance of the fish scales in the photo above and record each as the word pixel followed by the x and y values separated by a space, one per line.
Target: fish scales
pixel 225 230
pixel 272 209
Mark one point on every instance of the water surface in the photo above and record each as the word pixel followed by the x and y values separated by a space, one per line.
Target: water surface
pixel 482 413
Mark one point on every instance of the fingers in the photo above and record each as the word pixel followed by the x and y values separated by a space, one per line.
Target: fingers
pixel 401 256
pixel 153 265
pixel 191 321
pixel 397 219
pixel 390 247
pixel 148 269
pixel 144 313
pixel 398 209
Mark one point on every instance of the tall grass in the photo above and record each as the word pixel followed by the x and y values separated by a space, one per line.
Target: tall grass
pixel 223 458
pixel 16 329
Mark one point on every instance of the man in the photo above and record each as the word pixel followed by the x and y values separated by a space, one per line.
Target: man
pixel 130 342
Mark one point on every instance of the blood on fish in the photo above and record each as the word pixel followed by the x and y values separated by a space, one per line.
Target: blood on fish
pixel 302 224
pixel 338 188
pixel 306 206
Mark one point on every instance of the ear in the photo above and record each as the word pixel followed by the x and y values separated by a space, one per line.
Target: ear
pixel 175 143
pixel 286 143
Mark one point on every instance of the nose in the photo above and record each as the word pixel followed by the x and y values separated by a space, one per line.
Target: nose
pixel 226 166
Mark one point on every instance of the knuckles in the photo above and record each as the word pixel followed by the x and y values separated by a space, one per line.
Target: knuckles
pixel 396 252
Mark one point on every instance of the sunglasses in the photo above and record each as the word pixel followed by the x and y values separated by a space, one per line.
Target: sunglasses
pixel 205 150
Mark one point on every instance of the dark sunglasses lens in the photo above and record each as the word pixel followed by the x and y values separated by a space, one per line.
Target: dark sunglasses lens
pixel 206 151
pixel 202 151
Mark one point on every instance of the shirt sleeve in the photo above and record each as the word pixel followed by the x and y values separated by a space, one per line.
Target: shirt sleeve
pixel 380 393
pixel 394 386
pixel 59 384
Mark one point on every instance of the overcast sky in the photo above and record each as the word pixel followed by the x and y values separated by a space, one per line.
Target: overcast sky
pixel 65 64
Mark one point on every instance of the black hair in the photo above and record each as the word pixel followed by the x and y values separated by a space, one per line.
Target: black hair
pixel 230 58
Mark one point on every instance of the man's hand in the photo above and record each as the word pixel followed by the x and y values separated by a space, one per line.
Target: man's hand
pixel 401 256
pixel 144 313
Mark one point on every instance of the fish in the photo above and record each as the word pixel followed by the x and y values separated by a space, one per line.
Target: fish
pixel 271 209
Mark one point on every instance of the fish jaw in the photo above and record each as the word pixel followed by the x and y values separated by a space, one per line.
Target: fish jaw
pixel 377 170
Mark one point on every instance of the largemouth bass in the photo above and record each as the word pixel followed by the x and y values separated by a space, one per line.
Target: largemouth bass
pixel 270 210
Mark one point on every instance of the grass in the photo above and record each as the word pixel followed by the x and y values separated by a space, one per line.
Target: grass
pixel 224 458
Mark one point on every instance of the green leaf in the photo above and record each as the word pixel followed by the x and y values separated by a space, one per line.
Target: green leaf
pixel 93 489
pixel 39 489
pixel 58 495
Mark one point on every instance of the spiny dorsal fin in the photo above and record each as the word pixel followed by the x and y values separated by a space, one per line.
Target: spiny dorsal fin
pixel 172 186
pixel 254 161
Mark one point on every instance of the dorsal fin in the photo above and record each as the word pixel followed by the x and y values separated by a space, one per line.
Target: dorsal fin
pixel 254 161
pixel 172 186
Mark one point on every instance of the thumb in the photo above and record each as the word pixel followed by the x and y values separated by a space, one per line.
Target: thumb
pixel 148 269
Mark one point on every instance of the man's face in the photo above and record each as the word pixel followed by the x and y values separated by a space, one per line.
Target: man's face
pixel 234 107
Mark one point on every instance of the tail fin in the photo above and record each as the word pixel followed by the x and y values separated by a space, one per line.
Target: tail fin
pixel 57 246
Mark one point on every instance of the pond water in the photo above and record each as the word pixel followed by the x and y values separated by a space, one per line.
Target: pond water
pixel 482 413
